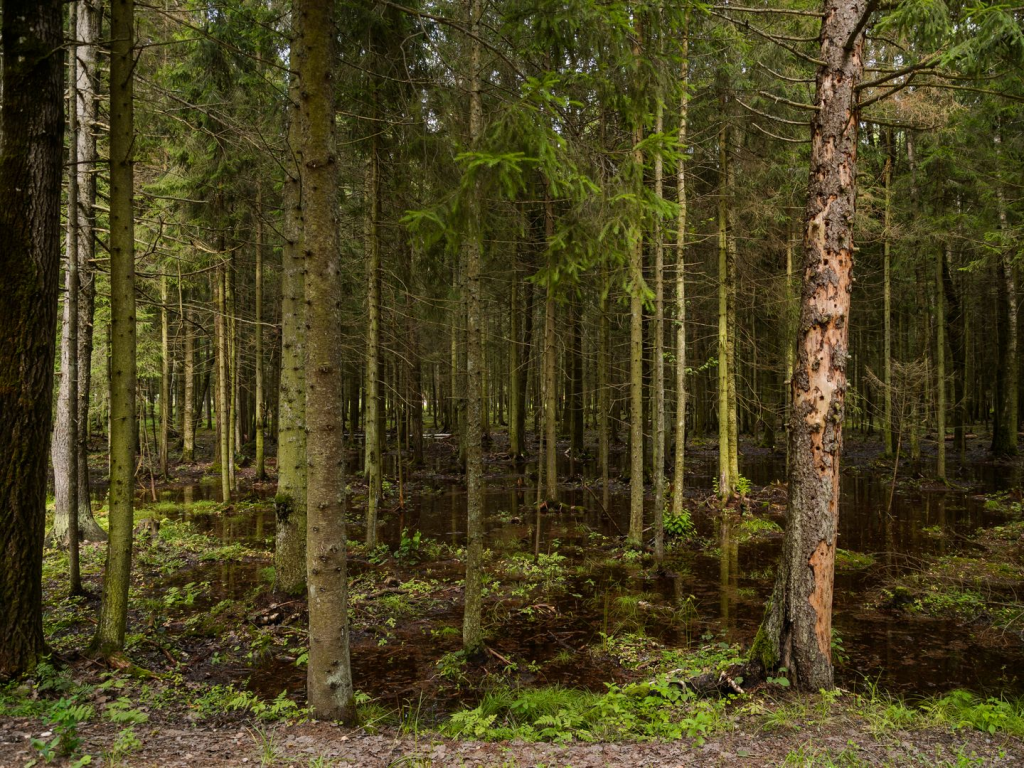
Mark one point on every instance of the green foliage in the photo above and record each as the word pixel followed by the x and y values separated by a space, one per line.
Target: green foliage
pixel 680 525
pixel 962 709
pixel 409 547
pixel 661 709
pixel 62 719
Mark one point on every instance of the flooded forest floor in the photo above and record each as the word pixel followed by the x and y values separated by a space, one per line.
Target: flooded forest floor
pixel 587 639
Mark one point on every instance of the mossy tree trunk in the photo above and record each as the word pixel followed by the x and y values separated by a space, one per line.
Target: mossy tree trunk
pixel 290 502
pixel 110 628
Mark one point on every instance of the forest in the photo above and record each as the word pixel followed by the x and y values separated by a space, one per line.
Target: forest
pixel 508 383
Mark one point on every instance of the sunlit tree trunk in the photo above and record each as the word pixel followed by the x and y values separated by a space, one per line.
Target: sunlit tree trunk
pixel 797 631
pixel 726 481
pixel 730 294
pixel 31 133
pixel 329 676
pixel 110 628
pixel 290 502
pixel 82 216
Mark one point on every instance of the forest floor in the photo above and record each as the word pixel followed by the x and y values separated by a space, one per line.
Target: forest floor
pixel 588 645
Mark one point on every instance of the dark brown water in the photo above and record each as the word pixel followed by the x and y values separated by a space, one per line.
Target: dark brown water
pixel 716 591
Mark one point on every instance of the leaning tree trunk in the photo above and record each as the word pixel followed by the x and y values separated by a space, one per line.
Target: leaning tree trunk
pixel 329 677
pixel 110 629
pixel 290 502
pixel 31 133
pixel 797 631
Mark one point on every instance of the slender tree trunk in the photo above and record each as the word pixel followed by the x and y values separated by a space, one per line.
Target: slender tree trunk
pixel 110 628
pixel 636 351
pixel 70 390
pixel 940 366
pixel 1004 432
pixel 329 685
pixel 188 437
pixel 797 632
pixel 261 408
pixel 373 285
pixel 957 341
pixel 678 496
pixel 550 393
pixel 659 353
pixel 726 482
pixel 230 350
pixel 290 502
pixel 223 381
pixel 165 377
pixel 31 156
pixel 515 354
pixel 83 167
pixel 887 422
pixel 731 324
pixel 472 631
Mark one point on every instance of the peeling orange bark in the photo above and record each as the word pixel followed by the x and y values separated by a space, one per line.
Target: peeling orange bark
pixel 797 632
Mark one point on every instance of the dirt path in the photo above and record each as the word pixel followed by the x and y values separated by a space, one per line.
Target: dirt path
pixel 845 742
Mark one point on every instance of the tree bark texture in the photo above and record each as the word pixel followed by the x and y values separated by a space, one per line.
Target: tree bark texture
pixel 797 632
pixel 329 677
pixel 31 155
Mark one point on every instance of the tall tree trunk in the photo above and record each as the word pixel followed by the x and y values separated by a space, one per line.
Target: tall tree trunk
pixel 165 377
pixel 636 351
pixel 550 393
pixel 83 167
pixel 223 382
pixel 31 133
pixel 290 502
pixel 1004 432
pixel 231 355
pixel 678 496
pixel 261 408
pixel 732 328
pixel 329 677
pixel 188 436
pixel 472 631
pixel 887 421
pixel 797 631
pixel 659 353
pixel 373 457
pixel 515 355
pixel 110 629
pixel 940 366
pixel 71 328
pixel 957 347
pixel 726 481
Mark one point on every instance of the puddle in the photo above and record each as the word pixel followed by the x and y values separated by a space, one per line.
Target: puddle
pixel 718 592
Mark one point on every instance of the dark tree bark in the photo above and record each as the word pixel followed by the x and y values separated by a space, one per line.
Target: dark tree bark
pixel 31 133
pixel 329 676
pixel 797 632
